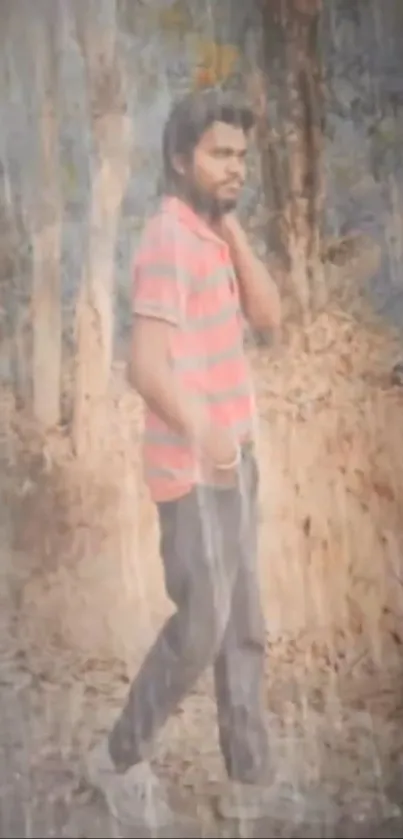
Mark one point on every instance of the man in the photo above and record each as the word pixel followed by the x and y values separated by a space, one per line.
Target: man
pixel 195 278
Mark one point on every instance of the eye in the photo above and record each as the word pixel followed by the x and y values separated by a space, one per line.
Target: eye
pixel 222 153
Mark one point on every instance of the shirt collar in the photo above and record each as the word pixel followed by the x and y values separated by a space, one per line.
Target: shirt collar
pixel 185 213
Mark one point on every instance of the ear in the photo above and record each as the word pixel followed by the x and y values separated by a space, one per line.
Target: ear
pixel 178 164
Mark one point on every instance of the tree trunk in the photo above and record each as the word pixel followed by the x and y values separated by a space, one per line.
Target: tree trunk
pixel 30 40
pixel 111 130
pixel 302 138
pixel 13 297
pixel 46 235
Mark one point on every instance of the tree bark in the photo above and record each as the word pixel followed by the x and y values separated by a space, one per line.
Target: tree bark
pixel 111 131
pixel 45 219
pixel 300 205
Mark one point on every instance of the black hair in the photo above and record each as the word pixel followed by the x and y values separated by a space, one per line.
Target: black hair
pixel 191 117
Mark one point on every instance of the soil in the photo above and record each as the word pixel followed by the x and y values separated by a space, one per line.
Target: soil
pixel 42 791
pixel 335 723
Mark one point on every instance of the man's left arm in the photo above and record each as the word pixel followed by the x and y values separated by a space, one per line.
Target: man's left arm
pixel 259 296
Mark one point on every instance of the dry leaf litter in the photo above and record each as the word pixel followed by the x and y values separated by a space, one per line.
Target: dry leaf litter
pixel 90 594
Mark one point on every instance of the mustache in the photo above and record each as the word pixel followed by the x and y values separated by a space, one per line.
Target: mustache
pixel 233 182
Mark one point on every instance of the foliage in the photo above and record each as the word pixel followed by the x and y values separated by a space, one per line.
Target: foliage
pixel 175 18
pixel 215 62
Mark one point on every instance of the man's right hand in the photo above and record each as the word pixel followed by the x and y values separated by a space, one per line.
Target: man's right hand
pixel 218 456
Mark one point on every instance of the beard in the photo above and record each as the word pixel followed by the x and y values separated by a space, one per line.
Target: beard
pixel 206 204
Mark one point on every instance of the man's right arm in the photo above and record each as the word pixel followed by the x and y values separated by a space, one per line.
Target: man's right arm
pixel 162 273
pixel 151 374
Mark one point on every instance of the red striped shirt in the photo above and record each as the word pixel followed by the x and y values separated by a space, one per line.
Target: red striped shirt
pixel 183 274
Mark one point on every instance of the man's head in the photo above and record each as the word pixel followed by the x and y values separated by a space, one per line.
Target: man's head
pixel 204 149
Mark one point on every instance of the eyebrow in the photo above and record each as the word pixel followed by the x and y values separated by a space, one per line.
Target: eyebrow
pixel 229 150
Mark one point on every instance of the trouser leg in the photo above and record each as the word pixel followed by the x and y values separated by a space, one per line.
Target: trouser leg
pixel 239 666
pixel 199 549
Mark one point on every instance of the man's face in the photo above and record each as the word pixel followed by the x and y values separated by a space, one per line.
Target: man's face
pixel 217 171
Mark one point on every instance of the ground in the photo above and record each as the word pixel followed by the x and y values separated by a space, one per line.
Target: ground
pixel 43 794
pixel 78 612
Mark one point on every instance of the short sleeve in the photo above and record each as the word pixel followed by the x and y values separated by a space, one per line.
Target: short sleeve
pixel 162 273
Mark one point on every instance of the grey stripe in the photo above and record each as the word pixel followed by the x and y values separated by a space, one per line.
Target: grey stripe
pixel 218 319
pixel 229 394
pixel 166 437
pixel 208 360
pixel 161 472
pixel 186 279
pixel 166 271
pixel 169 438
pixel 217 278
pixel 157 311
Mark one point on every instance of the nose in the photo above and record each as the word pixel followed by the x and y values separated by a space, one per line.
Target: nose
pixel 235 167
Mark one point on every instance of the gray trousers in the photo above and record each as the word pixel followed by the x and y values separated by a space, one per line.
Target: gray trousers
pixel 208 548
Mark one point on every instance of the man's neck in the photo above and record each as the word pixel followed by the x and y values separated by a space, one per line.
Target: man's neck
pixel 209 215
